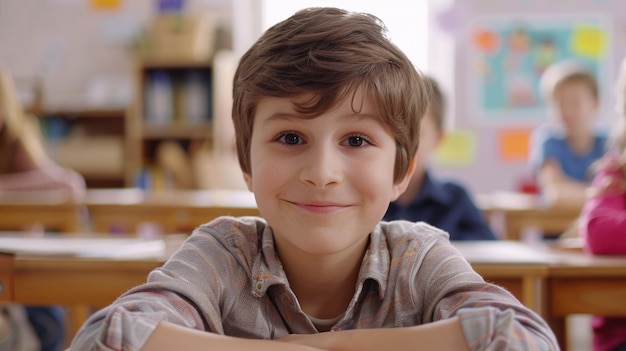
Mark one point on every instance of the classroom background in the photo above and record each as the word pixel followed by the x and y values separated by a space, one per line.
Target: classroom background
pixel 135 93
pixel 89 69
pixel 97 71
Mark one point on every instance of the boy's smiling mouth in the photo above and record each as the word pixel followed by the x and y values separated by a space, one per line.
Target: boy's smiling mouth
pixel 320 207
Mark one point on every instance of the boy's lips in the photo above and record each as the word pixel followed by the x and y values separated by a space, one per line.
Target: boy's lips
pixel 319 206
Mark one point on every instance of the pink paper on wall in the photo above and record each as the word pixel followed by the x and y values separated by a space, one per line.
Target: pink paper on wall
pixel 513 144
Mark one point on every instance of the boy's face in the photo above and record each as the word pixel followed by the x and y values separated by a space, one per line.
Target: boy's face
pixel 322 183
pixel 575 106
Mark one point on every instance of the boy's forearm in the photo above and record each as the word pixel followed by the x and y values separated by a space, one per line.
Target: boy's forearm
pixel 441 335
pixel 168 336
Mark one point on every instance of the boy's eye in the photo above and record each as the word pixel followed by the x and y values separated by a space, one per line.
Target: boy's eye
pixel 356 141
pixel 290 139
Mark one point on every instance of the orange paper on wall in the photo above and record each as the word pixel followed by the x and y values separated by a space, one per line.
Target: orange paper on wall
pixel 101 5
pixel 514 144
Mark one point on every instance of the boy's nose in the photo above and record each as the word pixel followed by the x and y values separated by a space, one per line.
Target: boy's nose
pixel 322 167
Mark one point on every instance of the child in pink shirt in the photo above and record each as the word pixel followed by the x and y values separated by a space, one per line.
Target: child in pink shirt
pixel 603 225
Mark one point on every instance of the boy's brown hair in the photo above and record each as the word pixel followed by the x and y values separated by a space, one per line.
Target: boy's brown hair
pixel 330 53
pixel 567 72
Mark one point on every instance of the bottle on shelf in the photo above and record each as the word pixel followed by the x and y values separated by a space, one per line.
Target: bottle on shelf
pixel 159 98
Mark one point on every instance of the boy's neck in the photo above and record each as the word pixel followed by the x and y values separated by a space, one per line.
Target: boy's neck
pixel 324 285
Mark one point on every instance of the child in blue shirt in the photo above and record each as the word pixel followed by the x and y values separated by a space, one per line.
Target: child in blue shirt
pixel 561 155
pixel 442 203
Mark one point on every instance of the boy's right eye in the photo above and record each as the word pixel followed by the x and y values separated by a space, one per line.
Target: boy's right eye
pixel 290 138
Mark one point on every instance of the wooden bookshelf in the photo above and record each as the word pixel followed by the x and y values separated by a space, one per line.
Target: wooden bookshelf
pixel 91 141
pixel 173 103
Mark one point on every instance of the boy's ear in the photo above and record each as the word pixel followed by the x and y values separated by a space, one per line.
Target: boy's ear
pixel 400 187
pixel 248 179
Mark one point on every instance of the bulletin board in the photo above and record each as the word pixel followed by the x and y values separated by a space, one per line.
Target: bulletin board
pixel 509 54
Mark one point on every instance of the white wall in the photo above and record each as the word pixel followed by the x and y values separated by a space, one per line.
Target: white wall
pixel 75 49
pixel 407 21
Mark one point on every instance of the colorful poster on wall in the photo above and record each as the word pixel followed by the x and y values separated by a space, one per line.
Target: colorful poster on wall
pixel 508 56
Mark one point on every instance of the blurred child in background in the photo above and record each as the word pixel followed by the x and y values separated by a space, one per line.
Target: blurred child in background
pixel 603 220
pixel 561 155
pixel 443 204
pixel 24 166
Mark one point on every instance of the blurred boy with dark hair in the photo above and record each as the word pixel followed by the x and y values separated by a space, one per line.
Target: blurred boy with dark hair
pixel 444 204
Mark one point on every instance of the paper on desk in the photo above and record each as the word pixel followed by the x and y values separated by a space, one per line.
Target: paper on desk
pixel 128 248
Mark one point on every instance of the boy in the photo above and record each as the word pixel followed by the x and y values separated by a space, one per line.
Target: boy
pixel 324 108
pixel 443 204
pixel 560 157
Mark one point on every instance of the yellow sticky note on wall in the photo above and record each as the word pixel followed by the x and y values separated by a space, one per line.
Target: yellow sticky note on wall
pixel 589 41
pixel 100 5
pixel 514 144
pixel 458 148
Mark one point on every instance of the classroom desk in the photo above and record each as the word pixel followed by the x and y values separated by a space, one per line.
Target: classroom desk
pixel 50 210
pixel 511 214
pixel 96 280
pixel 584 284
pixel 513 265
pixel 554 283
pixel 174 211
pixel 80 273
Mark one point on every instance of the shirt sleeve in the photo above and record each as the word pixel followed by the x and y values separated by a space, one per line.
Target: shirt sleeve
pixel 185 291
pixel 491 318
pixel 603 220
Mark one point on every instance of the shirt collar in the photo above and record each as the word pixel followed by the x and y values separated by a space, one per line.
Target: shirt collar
pixel 267 270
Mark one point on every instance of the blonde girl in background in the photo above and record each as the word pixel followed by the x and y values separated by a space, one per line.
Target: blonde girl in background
pixel 24 166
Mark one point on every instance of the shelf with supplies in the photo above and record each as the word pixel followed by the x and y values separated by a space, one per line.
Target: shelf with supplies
pixel 91 141
pixel 172 116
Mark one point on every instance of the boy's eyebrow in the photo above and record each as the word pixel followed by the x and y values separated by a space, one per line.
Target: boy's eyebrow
pixel 280 116
pixel 286 116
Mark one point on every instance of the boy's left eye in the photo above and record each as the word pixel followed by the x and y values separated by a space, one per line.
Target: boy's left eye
pixel 290 138
pixel 356 141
